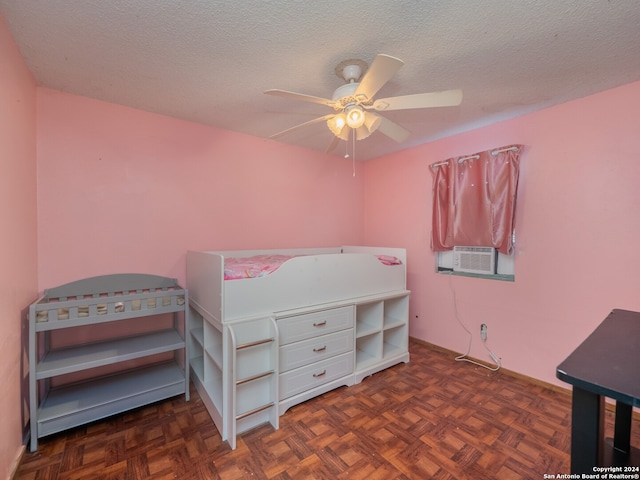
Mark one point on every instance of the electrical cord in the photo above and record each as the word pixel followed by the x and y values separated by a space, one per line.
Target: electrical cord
pixel 465 357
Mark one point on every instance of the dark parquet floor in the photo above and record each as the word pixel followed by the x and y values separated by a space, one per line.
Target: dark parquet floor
pixel 433 418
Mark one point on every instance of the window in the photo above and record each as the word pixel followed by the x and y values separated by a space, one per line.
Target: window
pixel 474 206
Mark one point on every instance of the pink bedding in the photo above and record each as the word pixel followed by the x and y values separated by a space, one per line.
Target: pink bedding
pixel 261 265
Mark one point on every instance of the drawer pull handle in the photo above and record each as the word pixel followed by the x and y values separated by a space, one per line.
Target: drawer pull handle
pixel 320 349
pixel 320 324
pixel 322 373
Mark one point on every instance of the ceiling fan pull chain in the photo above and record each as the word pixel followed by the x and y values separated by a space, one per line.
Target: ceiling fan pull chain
pixel 346 148
pixel 354 152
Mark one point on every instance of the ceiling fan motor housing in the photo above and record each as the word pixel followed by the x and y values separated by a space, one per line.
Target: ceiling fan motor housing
pixel 344 91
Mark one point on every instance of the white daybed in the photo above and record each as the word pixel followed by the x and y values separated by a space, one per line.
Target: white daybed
pixel 324 318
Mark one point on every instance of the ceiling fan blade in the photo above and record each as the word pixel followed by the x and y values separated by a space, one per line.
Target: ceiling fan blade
pixel 393 130
pixel 332 146
pixel 446 98
pixel 301 96
pixel 380 72
pixel 305 124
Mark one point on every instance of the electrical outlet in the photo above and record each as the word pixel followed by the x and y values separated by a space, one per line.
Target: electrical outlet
pixel 483 331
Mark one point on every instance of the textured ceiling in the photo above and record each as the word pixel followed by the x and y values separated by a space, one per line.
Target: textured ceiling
pixel 209 61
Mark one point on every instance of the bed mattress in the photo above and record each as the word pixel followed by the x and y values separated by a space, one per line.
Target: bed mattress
pixel 261 265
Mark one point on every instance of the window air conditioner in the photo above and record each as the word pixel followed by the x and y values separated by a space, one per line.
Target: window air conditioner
pixel 474 260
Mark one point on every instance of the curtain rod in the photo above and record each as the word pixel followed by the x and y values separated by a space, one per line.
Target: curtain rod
pixel 460 160
pixel 508 149
pixel 438 164
pixel 470 157
pixel 474 157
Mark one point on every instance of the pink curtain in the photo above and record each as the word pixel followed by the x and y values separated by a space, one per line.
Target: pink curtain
pixel 474 200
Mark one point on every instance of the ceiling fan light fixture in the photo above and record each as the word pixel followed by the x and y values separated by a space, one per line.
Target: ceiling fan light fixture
pixel 337 123
pixel 344 135
pixel 355 116
pixel 362 132
pixel 370 125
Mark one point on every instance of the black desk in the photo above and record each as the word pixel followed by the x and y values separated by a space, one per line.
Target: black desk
pixel 606 364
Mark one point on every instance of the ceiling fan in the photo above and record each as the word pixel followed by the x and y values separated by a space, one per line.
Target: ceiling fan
pixel 353 102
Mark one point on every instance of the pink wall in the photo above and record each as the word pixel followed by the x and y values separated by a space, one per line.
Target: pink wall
pixel 121 190
pixel 577 232
pixel 124 190
pixel 18 261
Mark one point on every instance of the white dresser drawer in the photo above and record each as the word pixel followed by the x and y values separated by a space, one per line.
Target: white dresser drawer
pixel 300 327
pixel 306 378
pixel 299 354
